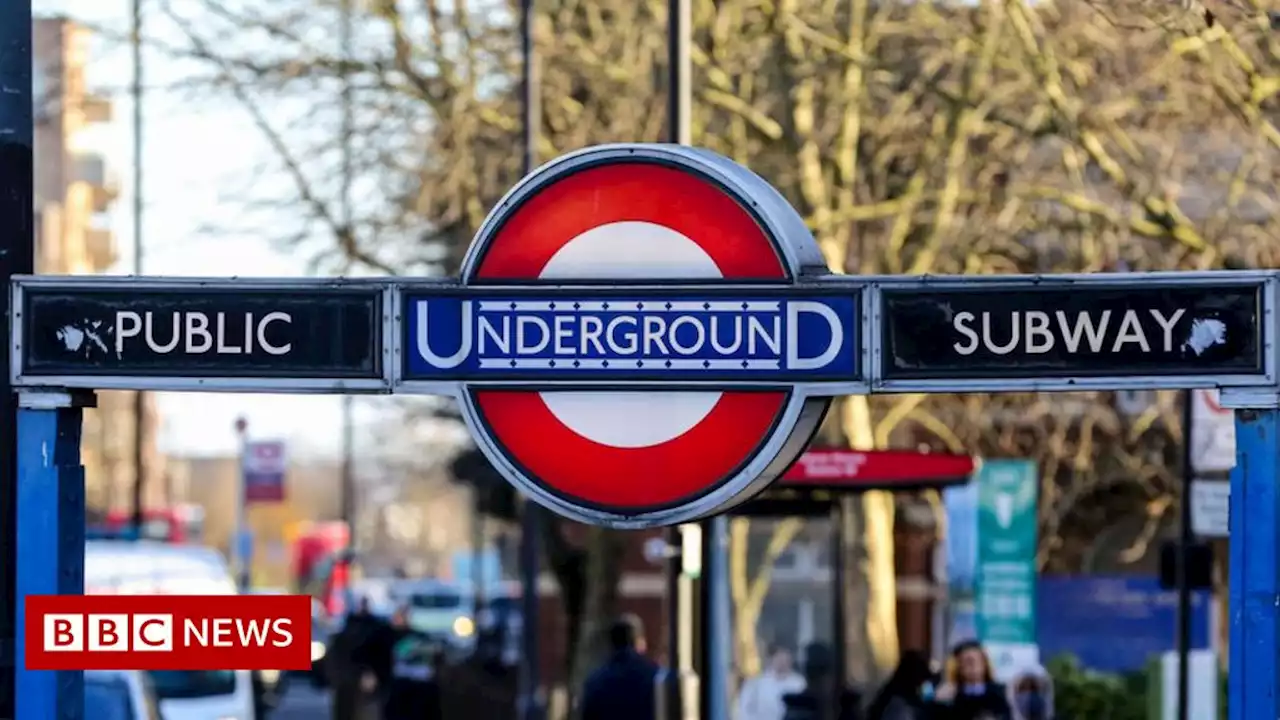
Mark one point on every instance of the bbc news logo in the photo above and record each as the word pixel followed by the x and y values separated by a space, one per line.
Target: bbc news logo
pixel 108 632
pixel 142 632
pixel 168 632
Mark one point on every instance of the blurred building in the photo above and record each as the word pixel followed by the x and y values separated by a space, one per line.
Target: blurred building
pixel 74 191
pixel 419 526
pixel 416 520
pixel 311 492
pixel 799 605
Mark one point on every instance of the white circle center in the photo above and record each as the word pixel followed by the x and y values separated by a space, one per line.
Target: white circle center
pixel 630 419
pixel 630 250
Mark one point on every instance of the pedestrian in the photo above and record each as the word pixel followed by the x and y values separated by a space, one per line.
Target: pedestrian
pixel 351 664
pixel 622 688
pixel 969 690
pixel 762 697
pixel 823 695
pixel 905 694
pixel 411 681
pixel 1031 694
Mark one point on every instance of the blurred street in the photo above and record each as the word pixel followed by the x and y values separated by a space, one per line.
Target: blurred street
pixel 303 702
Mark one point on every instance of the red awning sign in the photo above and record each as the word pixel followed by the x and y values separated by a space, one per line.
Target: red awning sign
pixel 876 469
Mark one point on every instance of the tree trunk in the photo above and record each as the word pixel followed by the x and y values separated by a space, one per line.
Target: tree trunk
pixel 749 589
pixel 568 564
pixel 604 553
pixel 867 555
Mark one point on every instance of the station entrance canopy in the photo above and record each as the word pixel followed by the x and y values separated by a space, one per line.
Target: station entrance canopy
pixel 487 346
pixel 935 334
pixel 645 335
pixel 586 351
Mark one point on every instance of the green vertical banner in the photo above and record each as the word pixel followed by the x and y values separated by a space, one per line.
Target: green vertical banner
pixel 1006 572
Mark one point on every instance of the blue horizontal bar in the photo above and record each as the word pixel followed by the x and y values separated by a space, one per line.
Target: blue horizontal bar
pixel 567 336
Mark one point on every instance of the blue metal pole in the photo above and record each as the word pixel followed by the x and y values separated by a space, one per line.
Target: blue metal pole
pixel 16 256
pixel 1253 689
pixel 50 509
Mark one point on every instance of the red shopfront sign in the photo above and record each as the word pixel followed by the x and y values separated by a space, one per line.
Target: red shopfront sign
pixel 876 470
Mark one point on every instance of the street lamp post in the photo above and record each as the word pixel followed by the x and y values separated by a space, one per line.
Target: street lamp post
pixel 239 545
pixel 679 588
pixel 532 703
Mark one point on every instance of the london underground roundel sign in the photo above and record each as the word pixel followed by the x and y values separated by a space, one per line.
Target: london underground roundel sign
pixel 640 335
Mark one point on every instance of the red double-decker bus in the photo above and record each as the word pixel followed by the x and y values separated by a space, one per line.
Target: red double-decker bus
pixel 321 563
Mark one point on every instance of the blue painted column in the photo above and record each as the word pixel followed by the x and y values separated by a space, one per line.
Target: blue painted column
pixel 1254 604
pixel 50 538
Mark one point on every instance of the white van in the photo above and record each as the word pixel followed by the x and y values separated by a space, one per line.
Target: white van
pixel 442 609
pixel 115 567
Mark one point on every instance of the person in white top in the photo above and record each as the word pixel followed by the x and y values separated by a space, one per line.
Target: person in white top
pixel 762 696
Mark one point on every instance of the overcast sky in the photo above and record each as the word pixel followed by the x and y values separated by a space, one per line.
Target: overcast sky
pixel 193 159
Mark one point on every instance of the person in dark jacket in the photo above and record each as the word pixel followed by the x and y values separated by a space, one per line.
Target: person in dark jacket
pixel 822 698
pixel 351 663
pixel 410 680
pixel 623 687
pixel 969 690
pixel 901 697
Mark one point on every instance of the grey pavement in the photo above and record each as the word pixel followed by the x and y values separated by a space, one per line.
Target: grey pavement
pixel 302 702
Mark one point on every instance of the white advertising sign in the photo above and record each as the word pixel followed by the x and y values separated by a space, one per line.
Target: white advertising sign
pixel 1213 434
pixel 1211 508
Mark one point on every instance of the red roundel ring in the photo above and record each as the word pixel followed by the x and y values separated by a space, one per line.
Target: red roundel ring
pixel 642 215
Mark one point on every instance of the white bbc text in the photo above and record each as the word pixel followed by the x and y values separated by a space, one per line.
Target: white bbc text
pixel 108 632
pixel 237 632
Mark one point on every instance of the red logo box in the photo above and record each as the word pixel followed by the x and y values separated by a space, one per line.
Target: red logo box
pixel 168 632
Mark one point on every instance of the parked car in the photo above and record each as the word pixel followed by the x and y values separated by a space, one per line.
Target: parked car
pixel 142 567
pixel 270 686
pixel 441 609
pixel 120 695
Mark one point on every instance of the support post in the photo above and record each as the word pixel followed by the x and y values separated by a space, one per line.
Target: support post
pixel 138 495
pixel 1253 689
pixel 1185 539
pixel 717 601
pixel 241 550
pixel 50 539
pixel 532 701
pixel 840 511
pixel 16 257
pixel 679 131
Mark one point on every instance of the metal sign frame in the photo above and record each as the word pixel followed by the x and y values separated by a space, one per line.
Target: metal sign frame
pixel 870 335
pixel 1267 326
pixel 858 385
pixel 177 383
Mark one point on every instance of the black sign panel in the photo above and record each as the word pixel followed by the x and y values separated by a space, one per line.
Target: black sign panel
pixel 1080 331
pixel 303 333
